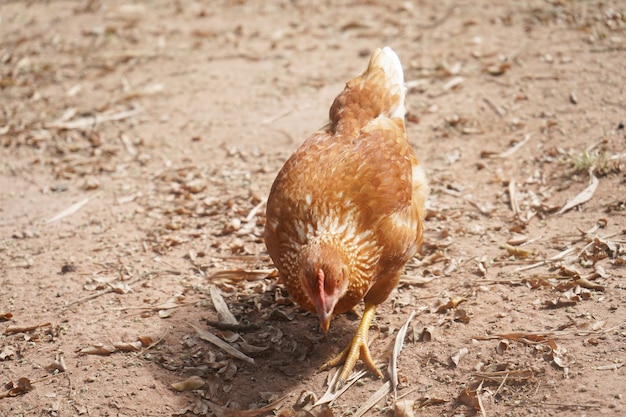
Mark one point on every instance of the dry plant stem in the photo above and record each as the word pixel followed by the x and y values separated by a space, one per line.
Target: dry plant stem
pixel 72 209
pixel 356 349
pixel 514 149
pixel 392 370
pixel 159 340
pixel 374 399
pixel 93 121
pixel 480 401
pixel 331 394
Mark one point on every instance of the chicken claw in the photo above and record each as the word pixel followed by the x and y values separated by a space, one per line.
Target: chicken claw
pixel 356 349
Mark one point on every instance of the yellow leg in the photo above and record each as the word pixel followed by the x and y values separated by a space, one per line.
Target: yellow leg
pixel 356 349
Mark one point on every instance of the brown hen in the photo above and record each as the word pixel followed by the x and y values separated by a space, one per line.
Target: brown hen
pixel 345 212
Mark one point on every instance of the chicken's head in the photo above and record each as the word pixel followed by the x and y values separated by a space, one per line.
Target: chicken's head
pixel 324 277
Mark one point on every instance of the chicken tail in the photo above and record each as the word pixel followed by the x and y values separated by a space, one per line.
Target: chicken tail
pixel 388 61
pixel 379 91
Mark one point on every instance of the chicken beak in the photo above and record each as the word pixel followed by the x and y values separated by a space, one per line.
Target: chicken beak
pixel 325 320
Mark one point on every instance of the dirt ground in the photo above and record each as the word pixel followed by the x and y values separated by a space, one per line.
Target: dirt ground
pixel 138 142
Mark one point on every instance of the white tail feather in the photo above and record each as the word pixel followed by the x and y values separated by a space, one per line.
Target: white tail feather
pixel 388 60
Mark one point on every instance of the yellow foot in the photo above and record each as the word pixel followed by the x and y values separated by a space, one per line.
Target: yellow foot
pixel 356 349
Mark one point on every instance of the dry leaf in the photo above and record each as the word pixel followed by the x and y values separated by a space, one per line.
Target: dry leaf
pixel 7 353
pixel 498 69
pixel 524 337
pixel 211 338
pixel 128 347
pixel 502 346
pixel 584 196
pixel 534 283
pixel 585 283
pixel 567 300
pixel 460 316
pixel 22 386
pixel 221 307
pixel 415 280
pixel 229 370
pixel 558 354
pixel 248 348
pixel 469 397
pixel 403 408
pixel 452 303
pixel 99 349
pixel 517 252
pixel 58 365
pixel 6 316
pixel 457 356
pixel 517 239
pixel 454 83
pixel 164 314
pixel 24 329
pixel 427 334
pixel 610 367
pixel 120 287
pixel 587 327
pixel 230 336
pixel 189 384
pixel 397 348
pixel 233 276
pixel 322 411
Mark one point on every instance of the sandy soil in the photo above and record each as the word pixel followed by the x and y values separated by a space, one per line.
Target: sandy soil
pixel 138 141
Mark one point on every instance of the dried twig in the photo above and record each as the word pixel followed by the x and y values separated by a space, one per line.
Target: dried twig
pixel 513 197
pixel 24 329
pixel 331 395
pixel 397 348
pixel 371 401
pixel 513 149
pixel 92 121
pixel 71 209
pixel 499 110
pixel 554 258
